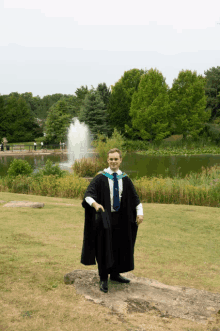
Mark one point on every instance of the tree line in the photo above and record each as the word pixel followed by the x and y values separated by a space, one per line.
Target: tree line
pixel 140 105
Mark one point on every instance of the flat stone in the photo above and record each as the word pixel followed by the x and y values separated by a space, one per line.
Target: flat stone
pixel 143 294
pixel 24 204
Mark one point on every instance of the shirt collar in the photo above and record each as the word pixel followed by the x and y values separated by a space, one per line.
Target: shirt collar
pixel 108 170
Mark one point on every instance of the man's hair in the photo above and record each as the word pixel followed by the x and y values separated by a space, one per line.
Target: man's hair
pixel 113 150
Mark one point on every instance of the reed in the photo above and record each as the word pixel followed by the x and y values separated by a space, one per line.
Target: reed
pixel 195 189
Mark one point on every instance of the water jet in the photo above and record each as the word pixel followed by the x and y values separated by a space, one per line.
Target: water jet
pixel 79 140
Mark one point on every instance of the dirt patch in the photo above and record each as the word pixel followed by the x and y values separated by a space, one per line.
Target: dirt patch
pixel 144 295
pixel 30 204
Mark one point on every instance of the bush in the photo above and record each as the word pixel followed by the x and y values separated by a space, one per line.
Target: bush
pixel 86 167
pixel 50 169
pixel 213 131
pixel 136 145
pixel 19 167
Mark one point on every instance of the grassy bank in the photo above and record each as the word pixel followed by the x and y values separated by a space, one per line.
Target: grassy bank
pixel 195 189
pixel 174 145
pixel 177 245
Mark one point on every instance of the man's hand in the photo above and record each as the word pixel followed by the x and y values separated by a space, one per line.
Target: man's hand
pixel 97 206
pixel 139 219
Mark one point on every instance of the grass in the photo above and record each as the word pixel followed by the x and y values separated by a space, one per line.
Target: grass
pixel 176 244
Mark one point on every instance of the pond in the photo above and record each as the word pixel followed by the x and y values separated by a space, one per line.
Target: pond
pixel 133 164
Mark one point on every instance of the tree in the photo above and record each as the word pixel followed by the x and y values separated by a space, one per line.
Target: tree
pixel 57 122
pixel 93 112
pixel 80 96
pixel 104 92
pixel 121 97
pixel 2 119
pixel 188 103
pixel 71 103
pixel 19 121
pixel 150 108
pixel 212 89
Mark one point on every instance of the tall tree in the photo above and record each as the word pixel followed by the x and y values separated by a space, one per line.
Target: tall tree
pixel 20 124
pixel 57 122
pixel 212 89
pixel 80 93
pixel 47 102
pixel 188 103
pixel 121 97
pixel 104 92
pixel 2 119
pixel 150 109
pixel 93 112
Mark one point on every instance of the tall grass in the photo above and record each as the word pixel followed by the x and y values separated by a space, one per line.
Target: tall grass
pixel 195 189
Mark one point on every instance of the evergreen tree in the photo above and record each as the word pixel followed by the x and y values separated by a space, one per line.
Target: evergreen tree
pixel 212 89
pixel 80 96
pixel 104 92
pixel 150 108
pixel 93 113
pixel 188 103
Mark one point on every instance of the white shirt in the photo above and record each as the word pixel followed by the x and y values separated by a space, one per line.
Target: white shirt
pixel 90 200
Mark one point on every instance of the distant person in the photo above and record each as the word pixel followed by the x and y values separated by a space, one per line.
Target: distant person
pixel 35 145
pixel 42 144
pixel 2 147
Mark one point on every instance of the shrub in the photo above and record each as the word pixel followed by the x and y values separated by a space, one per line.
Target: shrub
pixel 135 145
pixel 50 169
pixel 86 167
pixel 19 167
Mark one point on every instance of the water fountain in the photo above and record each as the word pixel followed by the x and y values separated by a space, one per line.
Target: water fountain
pixel 79 140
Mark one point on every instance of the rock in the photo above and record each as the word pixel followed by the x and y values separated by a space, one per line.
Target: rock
pixel 143 294
pixel 2 201
pixel 24 204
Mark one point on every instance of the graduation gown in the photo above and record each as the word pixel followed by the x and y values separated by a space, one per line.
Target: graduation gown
pixel 98 189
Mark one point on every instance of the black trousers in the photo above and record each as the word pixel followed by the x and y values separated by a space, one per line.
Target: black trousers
pixel 116 240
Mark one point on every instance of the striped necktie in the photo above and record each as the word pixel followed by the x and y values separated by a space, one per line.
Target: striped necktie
pixel 116 203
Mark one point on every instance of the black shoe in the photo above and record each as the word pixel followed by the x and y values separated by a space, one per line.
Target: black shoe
pixel 119 278
pixel 104 286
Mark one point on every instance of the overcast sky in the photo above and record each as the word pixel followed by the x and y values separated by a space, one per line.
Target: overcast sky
pixel 54 46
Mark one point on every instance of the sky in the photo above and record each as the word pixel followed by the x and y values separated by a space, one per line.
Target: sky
pixel 54 46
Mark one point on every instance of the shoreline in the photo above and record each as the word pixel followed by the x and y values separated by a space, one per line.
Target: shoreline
pixel 9 153
pixel 57 152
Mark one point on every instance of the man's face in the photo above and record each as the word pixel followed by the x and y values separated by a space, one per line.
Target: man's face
pixel 114 161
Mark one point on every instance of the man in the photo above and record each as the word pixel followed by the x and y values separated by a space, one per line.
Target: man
pixel 110 239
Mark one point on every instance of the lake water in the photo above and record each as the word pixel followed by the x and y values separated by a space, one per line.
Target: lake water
pixel 133 164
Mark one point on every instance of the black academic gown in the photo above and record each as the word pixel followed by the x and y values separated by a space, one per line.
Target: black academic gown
pixel 99 190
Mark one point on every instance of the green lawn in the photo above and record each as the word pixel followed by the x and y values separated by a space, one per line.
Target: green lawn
pixel 176 244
